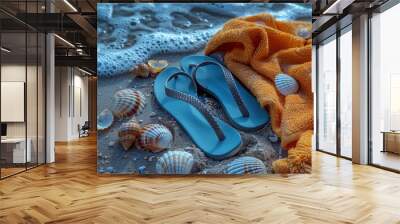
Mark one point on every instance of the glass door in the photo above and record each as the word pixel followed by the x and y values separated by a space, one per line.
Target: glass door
pixel 14 155
pixel 326 95
pixel 22 90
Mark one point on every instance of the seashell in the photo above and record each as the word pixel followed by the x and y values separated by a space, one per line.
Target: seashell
pixel 286 84
pixel 128 133
pixel 105 119
pixel 245 165
pixel 273 138
pixel 128 102
pixel 175 162
pixel 155 137
pixel 142 70
pixel 156 66
pixel 304 32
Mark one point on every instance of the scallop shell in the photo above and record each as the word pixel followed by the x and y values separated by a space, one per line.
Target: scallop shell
pixel 175 162
pixel 105 119
pixel 157 66
pixel 286 84
pixel 128 102
pixel 246 165
pixel 142 70
pixel 155 137
pixel 128 133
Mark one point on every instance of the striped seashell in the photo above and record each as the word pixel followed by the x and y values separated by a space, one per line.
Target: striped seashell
pixel 286 84
pixel 128 133
pixel 128 102
pixel 175 162
pixel 245 165
pixel 105 119
pixel 155 137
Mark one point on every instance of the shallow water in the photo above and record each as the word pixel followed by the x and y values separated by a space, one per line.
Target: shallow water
pixel 129 34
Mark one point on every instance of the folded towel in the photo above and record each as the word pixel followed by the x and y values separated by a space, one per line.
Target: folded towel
pixel 257 48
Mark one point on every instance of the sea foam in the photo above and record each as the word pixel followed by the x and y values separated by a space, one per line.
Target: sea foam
pixel 130 34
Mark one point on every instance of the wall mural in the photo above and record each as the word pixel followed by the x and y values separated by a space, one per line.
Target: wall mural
pixel 204 88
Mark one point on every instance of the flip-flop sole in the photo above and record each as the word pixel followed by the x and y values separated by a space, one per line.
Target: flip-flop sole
pixel 192 121
pixel 212 81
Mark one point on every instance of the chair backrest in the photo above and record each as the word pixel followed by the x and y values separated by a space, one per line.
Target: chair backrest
pixel 86 125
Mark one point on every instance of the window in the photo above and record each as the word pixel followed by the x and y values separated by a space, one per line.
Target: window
pixel 327 96
pixel 385 89
pixel 346 93
pixel 22 74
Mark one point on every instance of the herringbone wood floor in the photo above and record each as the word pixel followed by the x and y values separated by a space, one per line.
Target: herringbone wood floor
pixel 70 191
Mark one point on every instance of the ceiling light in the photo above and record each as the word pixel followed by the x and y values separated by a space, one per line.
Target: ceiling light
pixel 84 71
pixel 5 50
pixel 70 5
pixel 65 41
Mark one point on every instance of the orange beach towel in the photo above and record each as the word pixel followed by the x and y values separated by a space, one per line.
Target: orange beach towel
pixel 257 48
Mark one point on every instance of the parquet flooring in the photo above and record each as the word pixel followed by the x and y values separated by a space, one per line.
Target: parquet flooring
pixel 70 191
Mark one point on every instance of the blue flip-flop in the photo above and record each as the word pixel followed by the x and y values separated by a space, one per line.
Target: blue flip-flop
pixel 176 92
pixel 241 107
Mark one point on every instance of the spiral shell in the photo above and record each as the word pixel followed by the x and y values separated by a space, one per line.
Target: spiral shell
pixel 155 137
pixel 246 165
pixel 157 66
pixel 128 102
pixel 175 162
pixel 104 119
pixel 142 70
pixel 286 84
pixel 128 133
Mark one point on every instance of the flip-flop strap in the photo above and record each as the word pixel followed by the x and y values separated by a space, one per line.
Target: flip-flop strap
pixel 231 84
pixel 194 101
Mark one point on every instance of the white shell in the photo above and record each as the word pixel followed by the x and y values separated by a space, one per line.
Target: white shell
pixel 128 102
pixel 286 84
pixel 246 165
pixel 105 119
pixel 175 162
pixel 155 137
pixel 128 133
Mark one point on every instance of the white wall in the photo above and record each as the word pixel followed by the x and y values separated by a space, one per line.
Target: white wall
pixel 16 73
pixel 70 83
pixel 33 127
